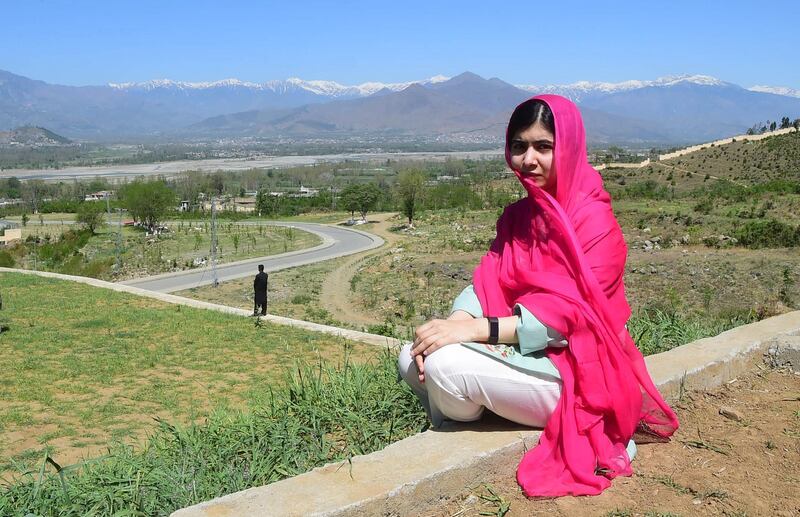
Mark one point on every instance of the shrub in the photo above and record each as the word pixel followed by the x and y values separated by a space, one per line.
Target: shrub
pixel 301 299
pixel 6 260
pixel 768 234
pixel 648 189
pixel 704 206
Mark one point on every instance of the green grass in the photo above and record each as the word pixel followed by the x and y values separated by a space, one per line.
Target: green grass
pixel 657 330
pixel 323 414
pixel 83 364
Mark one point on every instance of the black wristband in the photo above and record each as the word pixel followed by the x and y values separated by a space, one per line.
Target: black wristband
pixel 494 330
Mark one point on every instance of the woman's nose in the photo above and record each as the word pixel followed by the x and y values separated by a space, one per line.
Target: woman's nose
pixel 529 159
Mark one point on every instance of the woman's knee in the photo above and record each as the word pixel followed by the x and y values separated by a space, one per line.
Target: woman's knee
pixel 405 364
pixel 445 363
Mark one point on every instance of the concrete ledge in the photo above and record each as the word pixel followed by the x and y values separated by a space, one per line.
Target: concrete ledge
pixel 405 478
pixel 412 476
pixel 353 335
pixel 709 362
pixel 785 354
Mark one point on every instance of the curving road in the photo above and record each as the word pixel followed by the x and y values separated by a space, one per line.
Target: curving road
pixel 337 242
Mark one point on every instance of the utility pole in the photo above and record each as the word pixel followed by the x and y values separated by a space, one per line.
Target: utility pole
pixel 108 207
pixel 119 239
pixel 215 281
pixel 117 264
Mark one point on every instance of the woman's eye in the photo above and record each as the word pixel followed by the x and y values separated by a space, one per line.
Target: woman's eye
pixel 518 147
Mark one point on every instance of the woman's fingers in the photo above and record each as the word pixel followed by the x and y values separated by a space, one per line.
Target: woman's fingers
pixel 431 344
pixel 422 342
pixel 420 362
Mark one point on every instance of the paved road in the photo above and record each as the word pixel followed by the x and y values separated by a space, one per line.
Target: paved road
pixel 337 242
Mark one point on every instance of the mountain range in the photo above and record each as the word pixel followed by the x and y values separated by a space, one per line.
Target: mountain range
pixel 465 108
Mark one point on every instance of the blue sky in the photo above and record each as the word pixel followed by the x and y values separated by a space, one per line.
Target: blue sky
pixel 92 42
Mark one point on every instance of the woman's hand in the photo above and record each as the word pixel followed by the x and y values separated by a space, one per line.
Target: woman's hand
pixel 436 333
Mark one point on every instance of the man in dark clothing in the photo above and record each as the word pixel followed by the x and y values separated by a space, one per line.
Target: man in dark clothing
pixel 260 290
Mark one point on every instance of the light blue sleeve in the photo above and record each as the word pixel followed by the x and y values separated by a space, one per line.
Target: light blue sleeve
pixel 533 335
pixel 468 302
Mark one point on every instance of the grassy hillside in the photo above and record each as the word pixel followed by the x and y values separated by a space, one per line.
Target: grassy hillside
pixel 748 162
pixel 742 163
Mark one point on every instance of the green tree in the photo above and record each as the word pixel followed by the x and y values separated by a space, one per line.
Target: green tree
pixel 410 188
pixel 90 215
pixel 266 203
pixel 360 198
pixel 147 202
pixel 25 219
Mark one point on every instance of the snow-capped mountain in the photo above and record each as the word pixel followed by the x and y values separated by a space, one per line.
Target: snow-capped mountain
pixel 678 109
pixel 330 89
pixel 777 90
pixel 582 90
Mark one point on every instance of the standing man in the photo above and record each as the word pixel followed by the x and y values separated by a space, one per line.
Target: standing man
pixel 260 291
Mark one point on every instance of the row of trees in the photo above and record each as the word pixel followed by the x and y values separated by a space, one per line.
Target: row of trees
pixel 409 189
pixel 785 123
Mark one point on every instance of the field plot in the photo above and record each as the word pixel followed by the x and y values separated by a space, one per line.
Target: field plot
pixel 238 403
pixel 89 366
pixel 678 292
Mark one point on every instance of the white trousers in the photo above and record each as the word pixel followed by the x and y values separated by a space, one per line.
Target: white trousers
pixel 460 383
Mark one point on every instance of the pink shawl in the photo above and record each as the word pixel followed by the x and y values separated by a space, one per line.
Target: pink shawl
pixel 563 259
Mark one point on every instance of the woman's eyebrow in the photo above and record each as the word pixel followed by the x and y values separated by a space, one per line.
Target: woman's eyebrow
pixel 535 142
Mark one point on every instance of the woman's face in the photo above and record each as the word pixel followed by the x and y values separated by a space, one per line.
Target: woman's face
pixel 532 154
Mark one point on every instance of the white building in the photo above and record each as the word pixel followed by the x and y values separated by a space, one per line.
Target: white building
pixel 99 196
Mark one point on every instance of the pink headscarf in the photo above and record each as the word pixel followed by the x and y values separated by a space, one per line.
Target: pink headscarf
pixel 563 259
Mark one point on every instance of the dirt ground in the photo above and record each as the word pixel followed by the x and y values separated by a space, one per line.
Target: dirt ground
pixel 338 281
pixel 714 465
